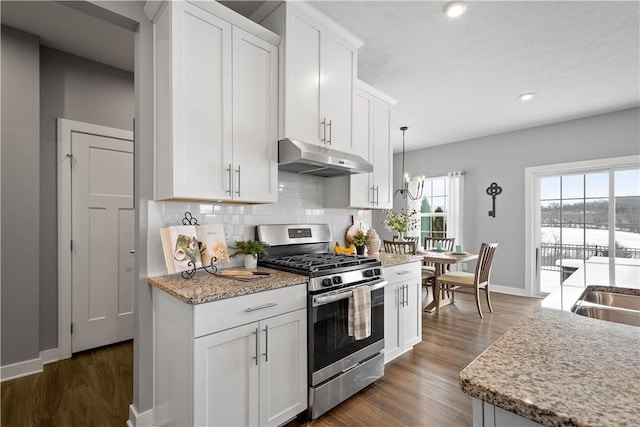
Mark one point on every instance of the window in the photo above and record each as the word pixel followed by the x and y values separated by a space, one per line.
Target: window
pixel 432 208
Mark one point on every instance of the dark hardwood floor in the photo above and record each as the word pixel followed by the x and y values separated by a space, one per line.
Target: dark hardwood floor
pixel 420 388
pixel 93 388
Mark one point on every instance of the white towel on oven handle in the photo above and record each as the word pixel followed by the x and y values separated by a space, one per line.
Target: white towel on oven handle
pixel 360 313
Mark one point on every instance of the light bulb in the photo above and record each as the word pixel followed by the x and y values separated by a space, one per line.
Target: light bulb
pixel 455 9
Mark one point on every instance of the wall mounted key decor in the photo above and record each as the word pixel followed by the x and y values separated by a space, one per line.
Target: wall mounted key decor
pixel 493 190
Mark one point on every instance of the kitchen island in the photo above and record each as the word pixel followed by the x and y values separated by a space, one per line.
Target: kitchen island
pixel 557 368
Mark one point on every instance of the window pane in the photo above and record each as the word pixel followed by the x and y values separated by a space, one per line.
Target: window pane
pixel 628 214
pixel 550 212
pixel 572 186
pixel 598 240
pixel 627 182
pixel 550 187
pixel 572 212
pixel 597 184
pixel 550 235
pixel 437 225
pixel 439 187
pixel 425 226
pixel 425 206
pixel 572 236
pixel 597 213
pixel 439 204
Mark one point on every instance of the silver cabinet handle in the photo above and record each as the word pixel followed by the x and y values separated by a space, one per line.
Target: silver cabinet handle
pixel 257 350
pixel 324 130
pixel 238 170
pixel 330 139
pixel 404 295
pixel 407 296
pixel 261 307
pixel 377 195
pixel 373 195
pixel 266 343
pixel 230 179
pixel 402 273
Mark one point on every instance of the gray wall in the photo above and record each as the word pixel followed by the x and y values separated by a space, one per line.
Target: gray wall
pixel 502 159
pixel 40 85
pixel 20 196
pixel 72 88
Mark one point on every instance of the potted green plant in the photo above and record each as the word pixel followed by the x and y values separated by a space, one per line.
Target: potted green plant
pixel 360 240
pixel 250 249
pixel 401 222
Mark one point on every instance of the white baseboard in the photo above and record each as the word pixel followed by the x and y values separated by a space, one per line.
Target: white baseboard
pixel 20 369
pixel 144 419
pixel 28 367
pixel 521 292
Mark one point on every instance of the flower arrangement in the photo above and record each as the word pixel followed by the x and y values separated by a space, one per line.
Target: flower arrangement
pixel 401 222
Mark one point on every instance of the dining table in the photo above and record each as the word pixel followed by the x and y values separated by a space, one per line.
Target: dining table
pixel 441 260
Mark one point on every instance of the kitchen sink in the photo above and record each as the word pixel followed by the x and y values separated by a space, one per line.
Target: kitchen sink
pixel 610 305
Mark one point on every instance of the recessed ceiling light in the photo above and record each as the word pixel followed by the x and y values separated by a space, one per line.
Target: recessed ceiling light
pixel 526 96
pixel 455 9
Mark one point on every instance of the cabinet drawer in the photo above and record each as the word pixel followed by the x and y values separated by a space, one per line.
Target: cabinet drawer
pixel 402 272
pixel 220 315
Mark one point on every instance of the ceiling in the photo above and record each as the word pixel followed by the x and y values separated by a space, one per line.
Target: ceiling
pixel 454 79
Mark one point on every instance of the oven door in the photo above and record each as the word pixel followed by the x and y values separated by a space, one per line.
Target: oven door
pixel 331 349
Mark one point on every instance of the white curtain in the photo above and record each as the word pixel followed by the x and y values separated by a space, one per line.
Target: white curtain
pixel 455 182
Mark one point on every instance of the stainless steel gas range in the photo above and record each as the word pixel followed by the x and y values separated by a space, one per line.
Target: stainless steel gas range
pixel 339 365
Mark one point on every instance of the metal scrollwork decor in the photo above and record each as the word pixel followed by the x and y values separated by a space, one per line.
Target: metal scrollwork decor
pixel 211 268
pixel 493 190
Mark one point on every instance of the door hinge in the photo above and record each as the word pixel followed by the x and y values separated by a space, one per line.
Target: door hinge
pixel 72 328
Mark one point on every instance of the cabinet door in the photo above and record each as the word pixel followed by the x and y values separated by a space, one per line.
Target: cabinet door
pixel 360 191
pixel 283 367
pixel 201 91
pixel 226 377
pixel 255 122
pixel 382 155
pixel 302 78
pixel 392 303
pixel 338 88
pixel 411 322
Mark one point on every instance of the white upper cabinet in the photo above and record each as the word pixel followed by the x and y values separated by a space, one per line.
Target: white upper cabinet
pixel 216 105
pixel 319 76
pixel 372 141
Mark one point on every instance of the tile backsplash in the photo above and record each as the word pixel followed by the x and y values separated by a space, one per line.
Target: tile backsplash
pixel 300 201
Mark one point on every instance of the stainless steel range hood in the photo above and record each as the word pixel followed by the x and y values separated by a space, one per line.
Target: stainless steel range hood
pixel 301 157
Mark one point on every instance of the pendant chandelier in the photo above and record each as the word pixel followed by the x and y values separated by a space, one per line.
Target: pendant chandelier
pixel 404 191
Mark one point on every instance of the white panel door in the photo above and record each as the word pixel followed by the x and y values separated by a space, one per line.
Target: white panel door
pixel 202 137
pixel 283 367
pixel 226 377
pixel 412 315
pixel 255 107
pixel 302 68
pixel 339 84
pixel 392 343
pixel 102 212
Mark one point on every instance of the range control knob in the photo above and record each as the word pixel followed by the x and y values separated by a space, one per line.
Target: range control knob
pixel 377 272
pixel 337 280
pixel 367 273
pixel 326 282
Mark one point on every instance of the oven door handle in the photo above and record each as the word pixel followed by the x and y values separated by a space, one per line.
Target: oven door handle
pixel 320 300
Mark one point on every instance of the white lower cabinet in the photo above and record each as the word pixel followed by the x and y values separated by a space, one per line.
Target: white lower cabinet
pixel 488 415
pixel 251 374
pixel 402 309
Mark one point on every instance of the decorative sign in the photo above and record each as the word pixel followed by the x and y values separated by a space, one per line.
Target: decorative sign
pixel 493 190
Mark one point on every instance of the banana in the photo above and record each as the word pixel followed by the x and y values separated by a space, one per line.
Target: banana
pixel 344 251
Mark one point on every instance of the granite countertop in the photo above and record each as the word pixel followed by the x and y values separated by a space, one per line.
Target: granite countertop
pixel 389 260
pixel 561 369
pixel 205 287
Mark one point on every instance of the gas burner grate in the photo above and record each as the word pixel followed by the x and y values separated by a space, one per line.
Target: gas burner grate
pixel 317 262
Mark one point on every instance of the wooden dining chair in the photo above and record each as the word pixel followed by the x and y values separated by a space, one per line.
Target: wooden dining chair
pixel 429 269
pixel 470 283
pixel 394 247
pixel 408 238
